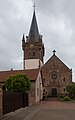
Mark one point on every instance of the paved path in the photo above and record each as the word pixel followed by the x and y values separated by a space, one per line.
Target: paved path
pixel 45 110
pixel 57 105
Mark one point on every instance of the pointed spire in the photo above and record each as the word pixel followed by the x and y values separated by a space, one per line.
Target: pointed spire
pixel 23 42
pixel 23 38
pixel 34 28
pixel 34 7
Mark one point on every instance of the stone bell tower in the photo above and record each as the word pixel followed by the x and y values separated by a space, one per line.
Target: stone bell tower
pixel 33 47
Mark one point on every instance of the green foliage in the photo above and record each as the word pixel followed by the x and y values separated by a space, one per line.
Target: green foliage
pixel 61 96
pixel 66 98
pixel 18 82
pixel 71 89
pixel 8 84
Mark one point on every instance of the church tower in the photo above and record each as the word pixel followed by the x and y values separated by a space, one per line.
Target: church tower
pixel 33 47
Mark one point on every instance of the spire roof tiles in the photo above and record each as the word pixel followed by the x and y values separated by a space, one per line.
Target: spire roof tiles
pixel 34 29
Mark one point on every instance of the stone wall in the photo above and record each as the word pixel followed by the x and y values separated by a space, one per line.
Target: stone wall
pixel 56 75
pixel 32 94
pixel 34 50
pixel 31 100
pixel 1 98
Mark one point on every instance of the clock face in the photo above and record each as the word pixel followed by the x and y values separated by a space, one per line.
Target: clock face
pixel 54 76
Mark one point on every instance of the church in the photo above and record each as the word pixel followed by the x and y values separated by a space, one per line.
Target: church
pixel 47 79
pixel 55 74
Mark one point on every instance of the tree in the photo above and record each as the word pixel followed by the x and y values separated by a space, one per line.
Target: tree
pixel 71 89
pixel 19 82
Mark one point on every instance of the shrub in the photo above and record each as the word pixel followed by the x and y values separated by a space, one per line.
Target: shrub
pixel 61 96
pixel 66 98
pixel 71 89
pixel 19 82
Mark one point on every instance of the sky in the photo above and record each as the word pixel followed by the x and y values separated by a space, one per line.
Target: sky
pixel 56 22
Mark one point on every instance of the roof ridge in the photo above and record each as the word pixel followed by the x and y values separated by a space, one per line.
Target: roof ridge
pixel 58 59
pixel 18 70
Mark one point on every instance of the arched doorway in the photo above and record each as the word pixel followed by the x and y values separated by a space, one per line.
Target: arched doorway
pixel 54 92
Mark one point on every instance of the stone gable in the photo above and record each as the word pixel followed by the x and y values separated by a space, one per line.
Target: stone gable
pixel 56 75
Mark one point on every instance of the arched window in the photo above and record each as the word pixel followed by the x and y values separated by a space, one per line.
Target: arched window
pixel 29 54
pixel 64 90
pixel 34 53
pixel 64 79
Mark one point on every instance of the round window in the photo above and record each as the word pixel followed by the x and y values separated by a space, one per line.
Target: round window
pixel 54 76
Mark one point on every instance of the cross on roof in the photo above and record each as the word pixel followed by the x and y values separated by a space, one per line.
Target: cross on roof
pixel 54 52
pixel 34 7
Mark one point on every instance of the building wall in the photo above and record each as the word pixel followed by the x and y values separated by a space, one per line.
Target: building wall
pixel 56 75
pixel 32 93
pixel 34 50
pixel 1 100
pixel 33 63
pixel 36 92
pixel 38 88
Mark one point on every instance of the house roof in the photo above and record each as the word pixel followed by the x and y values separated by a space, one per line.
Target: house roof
pixel 32 74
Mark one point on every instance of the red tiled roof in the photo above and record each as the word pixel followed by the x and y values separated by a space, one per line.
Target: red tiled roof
pixel 32 74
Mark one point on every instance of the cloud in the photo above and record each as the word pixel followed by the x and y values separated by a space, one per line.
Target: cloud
pixel 58 28
pixel 56 21
pixel 13 23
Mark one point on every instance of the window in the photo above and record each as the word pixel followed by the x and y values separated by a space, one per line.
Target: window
pixel 54 76
pixel 43 90
pixel 64 90
pixel 64 79
pixel 34 53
